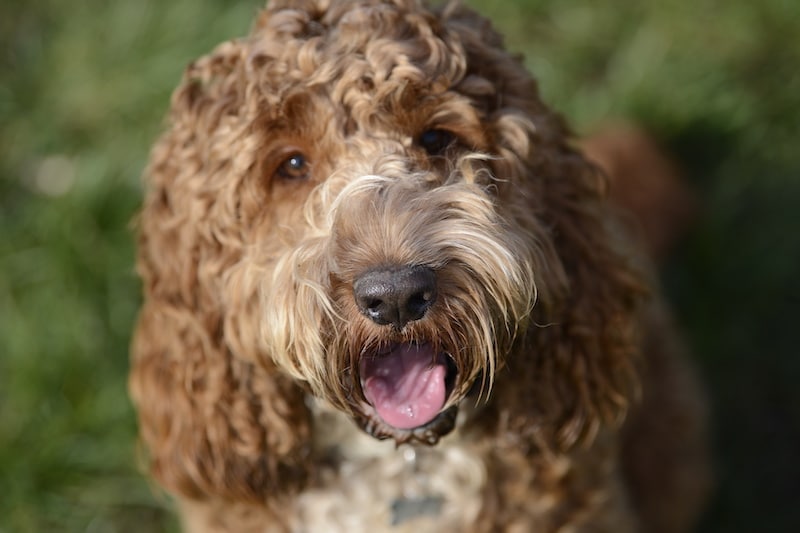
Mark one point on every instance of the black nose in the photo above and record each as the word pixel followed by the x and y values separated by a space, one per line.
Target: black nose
pixel 395 295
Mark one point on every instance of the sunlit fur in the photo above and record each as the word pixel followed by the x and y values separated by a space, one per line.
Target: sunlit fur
pixel 246 356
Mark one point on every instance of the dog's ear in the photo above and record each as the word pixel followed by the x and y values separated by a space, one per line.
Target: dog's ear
pixel 586 342
pixel 213 425
pixel 577 369
pixel 216 417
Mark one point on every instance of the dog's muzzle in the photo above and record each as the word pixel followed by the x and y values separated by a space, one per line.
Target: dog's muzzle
pixel 407 383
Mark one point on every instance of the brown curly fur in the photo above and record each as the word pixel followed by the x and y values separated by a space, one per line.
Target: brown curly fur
pixel 246 356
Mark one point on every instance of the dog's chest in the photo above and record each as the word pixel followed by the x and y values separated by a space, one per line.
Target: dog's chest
pixel 372 486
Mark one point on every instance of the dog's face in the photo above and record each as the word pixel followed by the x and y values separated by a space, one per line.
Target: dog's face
pixel 393 258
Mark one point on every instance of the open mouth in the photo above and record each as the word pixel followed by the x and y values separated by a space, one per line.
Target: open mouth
pixel 408 384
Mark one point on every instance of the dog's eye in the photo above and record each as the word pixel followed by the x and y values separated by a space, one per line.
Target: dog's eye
pixel 435 142
pixel 294 167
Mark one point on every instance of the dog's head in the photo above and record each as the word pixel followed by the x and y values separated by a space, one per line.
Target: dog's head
pixel 369 196
pixel 396 256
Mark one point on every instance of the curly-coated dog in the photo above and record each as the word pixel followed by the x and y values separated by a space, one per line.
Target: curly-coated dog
pixel 384 292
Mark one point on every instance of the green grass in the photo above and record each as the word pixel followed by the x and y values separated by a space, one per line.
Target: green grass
pixel 83 89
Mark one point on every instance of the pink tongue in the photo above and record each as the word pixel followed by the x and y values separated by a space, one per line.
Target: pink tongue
pixel 405 386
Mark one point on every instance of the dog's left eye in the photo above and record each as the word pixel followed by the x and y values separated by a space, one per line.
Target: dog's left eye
pixel 294 167
pixel 435 142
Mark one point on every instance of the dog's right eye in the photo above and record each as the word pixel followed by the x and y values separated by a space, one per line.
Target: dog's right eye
pixel 294 167
pixel 435 141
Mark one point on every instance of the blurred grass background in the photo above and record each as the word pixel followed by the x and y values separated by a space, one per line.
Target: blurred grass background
pixel 83 89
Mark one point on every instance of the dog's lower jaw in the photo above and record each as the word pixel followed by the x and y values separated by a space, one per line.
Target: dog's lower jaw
pixel 465 402
pixel 429 433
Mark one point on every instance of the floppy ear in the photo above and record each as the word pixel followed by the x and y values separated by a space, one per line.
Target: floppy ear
pixel 215 415
pixel 586 342
pixel 575 367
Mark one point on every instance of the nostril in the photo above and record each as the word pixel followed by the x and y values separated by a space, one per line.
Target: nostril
pixel 420 302
pixel 375 310
pixel 395 295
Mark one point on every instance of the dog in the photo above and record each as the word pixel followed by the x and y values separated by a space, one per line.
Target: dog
pixel 384 291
